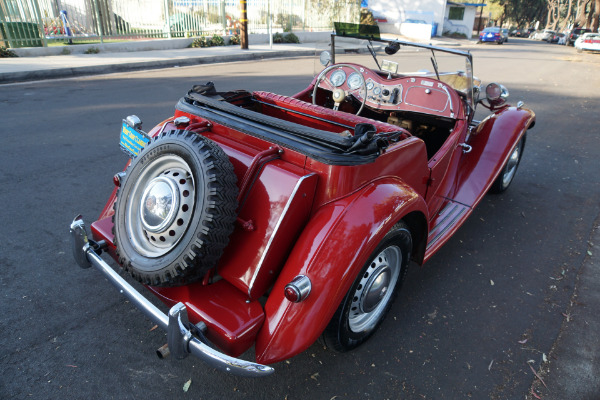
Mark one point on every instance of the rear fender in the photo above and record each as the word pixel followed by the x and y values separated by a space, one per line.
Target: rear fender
pixel 330 252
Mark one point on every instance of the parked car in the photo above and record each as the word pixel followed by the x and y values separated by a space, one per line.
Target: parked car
pixel 545 35
pixel 505 34
pixel 517 32
pixel 575 33
pixel 492 34
pixel 588 41
pixel 557 38
pixel 269 221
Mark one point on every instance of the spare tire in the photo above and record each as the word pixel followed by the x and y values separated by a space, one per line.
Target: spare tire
pixel 175 209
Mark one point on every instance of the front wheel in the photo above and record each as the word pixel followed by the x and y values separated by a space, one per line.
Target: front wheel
pixel 509 170
pixel 372 293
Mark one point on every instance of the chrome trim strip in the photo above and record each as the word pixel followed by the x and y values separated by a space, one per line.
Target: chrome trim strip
pixel 450 100
pixel 180 338
pixel 274 233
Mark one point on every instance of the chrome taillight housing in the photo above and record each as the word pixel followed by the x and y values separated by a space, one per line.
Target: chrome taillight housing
pixel 298 289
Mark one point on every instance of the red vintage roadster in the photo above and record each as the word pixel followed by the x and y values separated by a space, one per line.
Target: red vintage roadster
pixel 272 221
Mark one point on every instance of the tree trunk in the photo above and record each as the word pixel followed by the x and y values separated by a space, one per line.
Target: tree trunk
pixel 568 17
pixel 596 16
pixel 581 15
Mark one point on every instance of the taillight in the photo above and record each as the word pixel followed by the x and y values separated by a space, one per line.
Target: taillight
pixel 298 289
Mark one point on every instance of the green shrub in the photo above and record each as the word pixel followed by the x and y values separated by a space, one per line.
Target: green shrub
pixel 202 41
pixel 278 38
pixel 217 40
pixel 92 50
pixel 291 38
pixel 454 35
pixel 235 39
pixel 208 41
pixel 4 52
pixel 65 51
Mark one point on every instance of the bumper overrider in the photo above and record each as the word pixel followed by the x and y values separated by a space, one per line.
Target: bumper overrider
pixel 183 338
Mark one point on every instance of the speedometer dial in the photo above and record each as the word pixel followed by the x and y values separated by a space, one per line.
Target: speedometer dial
pixel 355 80
pixel 338 77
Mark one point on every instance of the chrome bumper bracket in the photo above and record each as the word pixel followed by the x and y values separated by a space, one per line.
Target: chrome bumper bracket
pixel 181 340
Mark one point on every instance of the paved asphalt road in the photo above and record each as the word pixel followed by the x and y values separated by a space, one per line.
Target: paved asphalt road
pixel 465 325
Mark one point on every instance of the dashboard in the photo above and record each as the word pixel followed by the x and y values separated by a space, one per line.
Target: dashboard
pixel 407 93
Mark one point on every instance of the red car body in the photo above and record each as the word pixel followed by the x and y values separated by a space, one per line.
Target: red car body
pixel 307 211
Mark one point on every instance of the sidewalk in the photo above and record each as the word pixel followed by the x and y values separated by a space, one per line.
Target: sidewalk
pixel 22 69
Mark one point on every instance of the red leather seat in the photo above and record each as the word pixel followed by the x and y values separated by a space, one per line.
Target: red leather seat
pixel 339 117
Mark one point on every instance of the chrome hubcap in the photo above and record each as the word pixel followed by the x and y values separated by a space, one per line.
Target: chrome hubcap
pixel 375 290
pixel 159 204
pixel 160 207
pixel 511 166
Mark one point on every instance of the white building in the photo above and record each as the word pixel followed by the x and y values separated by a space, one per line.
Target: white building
pixel 421 20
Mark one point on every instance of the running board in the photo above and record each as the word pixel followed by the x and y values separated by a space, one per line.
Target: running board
pixel 447 221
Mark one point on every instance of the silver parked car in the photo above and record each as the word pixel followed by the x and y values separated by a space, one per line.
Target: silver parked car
pixel 546 35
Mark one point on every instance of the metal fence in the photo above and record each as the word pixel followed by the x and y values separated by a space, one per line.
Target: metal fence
pixel 26 23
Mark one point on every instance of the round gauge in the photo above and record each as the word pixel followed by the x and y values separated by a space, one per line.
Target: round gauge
pixel 355 80
pixel 377 90
pixel 338 77
pixel 370 85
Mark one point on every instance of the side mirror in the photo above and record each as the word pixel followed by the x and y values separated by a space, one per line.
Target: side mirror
pixel 392 48
pixel 325 58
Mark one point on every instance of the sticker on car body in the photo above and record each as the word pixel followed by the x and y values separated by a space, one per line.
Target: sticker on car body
pixel 132 141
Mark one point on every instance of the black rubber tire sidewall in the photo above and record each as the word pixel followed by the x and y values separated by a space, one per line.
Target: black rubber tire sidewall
pixel 208 231
pixel 338 335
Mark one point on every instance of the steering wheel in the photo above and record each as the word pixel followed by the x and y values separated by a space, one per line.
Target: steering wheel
pixel 339 94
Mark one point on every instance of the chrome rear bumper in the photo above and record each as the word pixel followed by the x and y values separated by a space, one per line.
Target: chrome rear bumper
pixel 180 338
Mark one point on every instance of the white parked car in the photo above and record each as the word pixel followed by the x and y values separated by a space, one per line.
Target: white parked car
pixel 588 41
pixel 546 35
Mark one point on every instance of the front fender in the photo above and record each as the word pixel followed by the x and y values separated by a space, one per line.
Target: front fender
pixel 330 251
pixel 492 143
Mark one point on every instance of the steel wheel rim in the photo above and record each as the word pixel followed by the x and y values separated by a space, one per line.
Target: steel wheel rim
pixel 511 166
pixel 375 290
pixel 173 174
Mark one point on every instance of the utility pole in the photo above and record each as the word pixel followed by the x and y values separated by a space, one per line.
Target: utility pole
pixel 244 25
pixel 480 18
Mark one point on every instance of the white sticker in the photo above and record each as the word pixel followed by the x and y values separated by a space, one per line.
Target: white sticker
pixel 427 83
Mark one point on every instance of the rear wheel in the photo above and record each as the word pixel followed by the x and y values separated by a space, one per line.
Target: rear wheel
pixel 175 209
pixel 509 170
pixel 372 293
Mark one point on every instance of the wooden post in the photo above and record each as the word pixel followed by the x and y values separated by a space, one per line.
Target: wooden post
pixel 244 25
